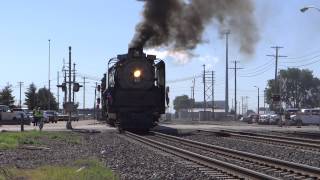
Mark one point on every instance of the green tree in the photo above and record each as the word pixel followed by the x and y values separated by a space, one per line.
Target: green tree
pixel 182 102
pixel 6 97
pixel 31 97
pixel 298 88
pixel 43 99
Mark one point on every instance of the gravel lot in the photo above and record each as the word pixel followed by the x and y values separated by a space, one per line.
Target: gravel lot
pixel 284 153
pixel 129 160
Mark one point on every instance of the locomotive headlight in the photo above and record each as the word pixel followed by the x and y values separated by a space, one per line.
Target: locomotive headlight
pixel 137 73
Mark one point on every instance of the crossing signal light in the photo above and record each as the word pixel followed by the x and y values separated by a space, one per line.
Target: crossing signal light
pixel 276 98
pixel 63 87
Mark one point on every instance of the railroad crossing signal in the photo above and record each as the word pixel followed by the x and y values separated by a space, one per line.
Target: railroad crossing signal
pixel 276 98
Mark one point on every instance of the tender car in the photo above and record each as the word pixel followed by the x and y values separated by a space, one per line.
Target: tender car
pixel 50 116
pixel 9 117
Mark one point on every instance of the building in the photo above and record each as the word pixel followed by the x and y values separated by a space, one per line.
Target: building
pixel 202 112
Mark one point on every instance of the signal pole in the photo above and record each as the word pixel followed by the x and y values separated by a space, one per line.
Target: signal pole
pixel 20 85
pixel 69 126
pixel 227 33
pixel 235 88
pixel 95 101
pixel 74 80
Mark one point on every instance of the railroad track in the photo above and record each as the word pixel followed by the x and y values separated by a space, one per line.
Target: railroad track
pixel 297 143
pixel 228 163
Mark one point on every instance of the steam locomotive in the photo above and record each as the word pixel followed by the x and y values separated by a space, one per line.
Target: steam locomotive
pixel 134 91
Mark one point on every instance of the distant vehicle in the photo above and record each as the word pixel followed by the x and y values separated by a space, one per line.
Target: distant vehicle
pixel 306 117
pixel 50 116
pixel 270 118
pixel 65 117
pixel 10 117
pixel 22 113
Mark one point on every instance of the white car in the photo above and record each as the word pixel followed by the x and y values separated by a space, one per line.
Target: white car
pixel 10 117
pixel 50 116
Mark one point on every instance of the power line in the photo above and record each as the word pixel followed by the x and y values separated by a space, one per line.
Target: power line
pixel 258 68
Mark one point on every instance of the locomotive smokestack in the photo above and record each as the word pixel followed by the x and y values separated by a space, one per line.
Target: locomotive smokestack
pixel 179 24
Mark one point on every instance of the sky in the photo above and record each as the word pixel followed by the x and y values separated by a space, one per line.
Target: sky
pixel 98 30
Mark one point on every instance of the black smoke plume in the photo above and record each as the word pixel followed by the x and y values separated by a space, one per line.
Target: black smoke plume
pixel 179 24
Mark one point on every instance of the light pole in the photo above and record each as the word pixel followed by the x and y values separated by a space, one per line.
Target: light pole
pixel 306 8
pixel 258 100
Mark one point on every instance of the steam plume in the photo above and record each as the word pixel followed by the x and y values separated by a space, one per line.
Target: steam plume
pixel 179 24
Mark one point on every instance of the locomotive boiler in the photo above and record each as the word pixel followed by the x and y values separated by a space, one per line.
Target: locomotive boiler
pixel 134 91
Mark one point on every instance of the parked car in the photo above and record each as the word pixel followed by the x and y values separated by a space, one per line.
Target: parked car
pixel 9 117
pixel 50 116
pixel 306 117
pixel 22 113
pixel 65 117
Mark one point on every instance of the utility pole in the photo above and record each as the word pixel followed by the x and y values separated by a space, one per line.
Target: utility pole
pixel 58 90
pixel 49 78
pixel 276 56
pixel 204 90
pixel 20 85
pixel 242 105
pixel 235 88
pixel 84 92
pixel 227 33
pixel 192 98
pixel 65 81
pixel 212 95
pixel 264 101
pixel 258 101
pixel 247 97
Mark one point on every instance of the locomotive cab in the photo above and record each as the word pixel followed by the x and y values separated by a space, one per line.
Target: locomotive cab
pixel 135 93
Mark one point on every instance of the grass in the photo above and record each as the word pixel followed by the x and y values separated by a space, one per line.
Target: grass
pixel 91 169
pixel 11 140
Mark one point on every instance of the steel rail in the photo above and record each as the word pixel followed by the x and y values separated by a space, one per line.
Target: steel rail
pixel 304 140
pixel 229 169
pixel 303 143
pixel 305 170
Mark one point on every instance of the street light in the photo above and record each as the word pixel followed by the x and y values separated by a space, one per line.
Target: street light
pixel 304 9
pixel 258 100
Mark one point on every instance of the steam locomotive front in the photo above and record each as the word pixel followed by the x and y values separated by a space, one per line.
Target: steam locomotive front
pixel 136 83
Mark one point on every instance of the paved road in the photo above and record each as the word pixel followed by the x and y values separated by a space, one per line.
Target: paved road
pixel 93 124
pixel 60 126
pixel 243 127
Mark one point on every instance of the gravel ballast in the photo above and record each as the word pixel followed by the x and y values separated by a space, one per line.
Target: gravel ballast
pixel 127 158
pixel 251 146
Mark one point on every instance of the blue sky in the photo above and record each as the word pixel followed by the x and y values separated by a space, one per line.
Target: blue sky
pixel 98 30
